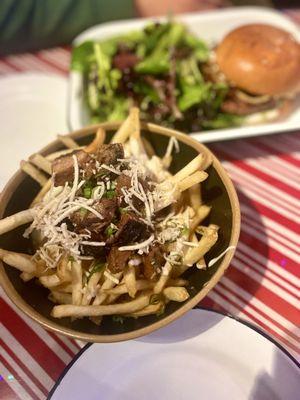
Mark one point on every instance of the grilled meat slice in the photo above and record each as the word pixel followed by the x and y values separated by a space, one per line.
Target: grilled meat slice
pixel 63 167
pixel 117 260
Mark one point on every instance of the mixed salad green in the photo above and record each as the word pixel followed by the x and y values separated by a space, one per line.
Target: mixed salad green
pixel 161 69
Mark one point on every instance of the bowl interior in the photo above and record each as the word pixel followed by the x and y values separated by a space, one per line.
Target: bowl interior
pixel 214 194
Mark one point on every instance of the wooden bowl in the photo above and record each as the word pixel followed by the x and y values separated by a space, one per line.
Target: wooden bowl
pixel 32 299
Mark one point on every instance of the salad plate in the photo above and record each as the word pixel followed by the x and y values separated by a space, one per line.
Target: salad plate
pixel 211 27
pixel 203 355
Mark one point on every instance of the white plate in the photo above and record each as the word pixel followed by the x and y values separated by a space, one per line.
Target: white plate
pixel 203 355
pixel 32 113
pixel 211 27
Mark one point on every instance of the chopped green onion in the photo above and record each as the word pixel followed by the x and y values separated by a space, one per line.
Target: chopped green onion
pixel 87 192
pixel 96 267
pixel 83 211
pixel 110 230
pixel 110 194
pixel 185 231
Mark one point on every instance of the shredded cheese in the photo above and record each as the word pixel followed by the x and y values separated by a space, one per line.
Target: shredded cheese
pixel 138 246
pixel 216 259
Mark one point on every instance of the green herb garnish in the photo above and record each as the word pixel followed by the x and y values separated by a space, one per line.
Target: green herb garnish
pixel 111 230
pixel 110 194
pixel 83 211
pixel 185 231
pixel 96 267
pixel 87 192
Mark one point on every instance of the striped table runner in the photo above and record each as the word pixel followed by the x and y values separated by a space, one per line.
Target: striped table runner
pixel 261 286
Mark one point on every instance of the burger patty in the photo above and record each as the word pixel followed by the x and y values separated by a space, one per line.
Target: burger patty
pixel 234 105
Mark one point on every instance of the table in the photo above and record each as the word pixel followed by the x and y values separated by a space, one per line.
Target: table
pixel 261 286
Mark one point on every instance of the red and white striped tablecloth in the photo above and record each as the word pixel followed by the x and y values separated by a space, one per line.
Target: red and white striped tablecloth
pixel 261 286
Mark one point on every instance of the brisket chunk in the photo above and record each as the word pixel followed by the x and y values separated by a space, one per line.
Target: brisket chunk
pixel 63 167
pixel 85 220
pixel 117 260
pixel 124 182
pixel 110 153
pixel 130 230
pixel 154 259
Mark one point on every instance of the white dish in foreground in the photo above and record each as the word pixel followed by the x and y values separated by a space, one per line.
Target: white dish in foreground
pixel 202 355
pixel 32 113
pixel 212 27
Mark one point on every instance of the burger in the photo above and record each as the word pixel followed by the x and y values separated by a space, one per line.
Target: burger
pixel 261 65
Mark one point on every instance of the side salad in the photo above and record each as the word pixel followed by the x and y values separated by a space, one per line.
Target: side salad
pixel 164 69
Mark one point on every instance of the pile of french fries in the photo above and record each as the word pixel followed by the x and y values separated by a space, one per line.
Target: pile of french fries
pixel 126 293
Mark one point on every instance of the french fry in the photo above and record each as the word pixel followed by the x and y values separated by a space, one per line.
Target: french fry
pixel 209 238
pixel 207 161
pixel 20 261
pixel 108 284
pixel 195 196
pixel 141 284
pixel 201 264
pixel 60 298
pixel 26 277
pixel 148 147
pixel 167 161
pixel 91 288
pixel 65 287
pixel 163 279
pixel 63 271
pixel 56 154
pixel 50 281
pixel 148 310
pixel 177 282
pixel 41 162
pixel 14 221
pixel 99 310
pixel 68 141
pixel 178 294
pixel 131 126
pixel 192 180
pixel 130 281
pixel 41 193
pixel 76 283
pixel 97 142
pixel 34 173
pixel 201 213
pixel 189 169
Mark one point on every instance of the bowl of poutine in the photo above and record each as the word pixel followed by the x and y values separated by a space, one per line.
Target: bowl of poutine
pixel 115 230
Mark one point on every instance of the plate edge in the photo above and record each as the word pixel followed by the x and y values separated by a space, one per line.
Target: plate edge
pixel 237 319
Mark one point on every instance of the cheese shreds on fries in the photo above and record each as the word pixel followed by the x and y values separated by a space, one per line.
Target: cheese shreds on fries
pixel 113 230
